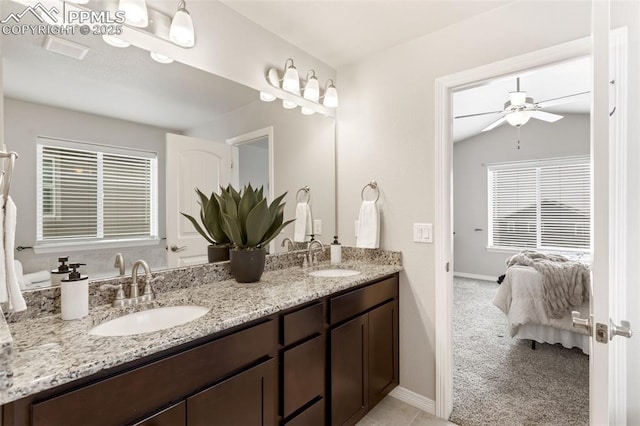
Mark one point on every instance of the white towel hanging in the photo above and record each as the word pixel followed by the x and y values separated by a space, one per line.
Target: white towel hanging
pixel 303 223
pixel 368 226
pixel 11 284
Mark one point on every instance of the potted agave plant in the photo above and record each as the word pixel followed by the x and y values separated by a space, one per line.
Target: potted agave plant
pixel 211 228
pixel 250 223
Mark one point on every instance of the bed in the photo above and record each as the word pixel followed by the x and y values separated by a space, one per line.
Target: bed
pixel 521 298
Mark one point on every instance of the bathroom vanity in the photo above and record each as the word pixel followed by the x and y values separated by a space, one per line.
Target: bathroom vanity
pixel 301 351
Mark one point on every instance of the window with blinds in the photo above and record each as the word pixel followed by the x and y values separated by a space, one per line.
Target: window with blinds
pixel 543 204
pixel 92 193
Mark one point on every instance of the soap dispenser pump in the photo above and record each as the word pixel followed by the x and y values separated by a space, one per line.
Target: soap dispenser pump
pixel 75 294
pixel 336 251
pixel 62 272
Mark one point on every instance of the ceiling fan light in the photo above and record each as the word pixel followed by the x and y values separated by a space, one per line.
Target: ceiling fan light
pixel 518 118
pixel 518 98
pixel 115 41
pixel 135 12
pixel 267 97
pixel 291 79
pixel 181 31
pixel 330 95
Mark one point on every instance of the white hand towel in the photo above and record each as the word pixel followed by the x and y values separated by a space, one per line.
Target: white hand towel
pixel 302 226
pixel 368 226
pixel 16 301
pixel 19 272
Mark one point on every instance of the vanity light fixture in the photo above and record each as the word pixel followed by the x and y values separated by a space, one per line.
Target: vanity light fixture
pixel 274 79
pixel 330 95
pixel 135 12
pixel 115 41
pixel 159 57
pixel 288 104
pixel 181 31
pixel 291 79
pixel 311 91
pixel 78 1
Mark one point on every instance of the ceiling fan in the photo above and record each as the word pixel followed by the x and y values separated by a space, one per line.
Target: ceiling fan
pixel 519 109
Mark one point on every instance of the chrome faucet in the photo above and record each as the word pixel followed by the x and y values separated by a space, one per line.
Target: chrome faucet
pixel 134 277
pixel 313 258
pixel 119 263
pixel 148 293
pixel 287 242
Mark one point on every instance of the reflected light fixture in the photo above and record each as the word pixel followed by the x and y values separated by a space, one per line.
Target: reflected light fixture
pixel 159 57
pixel 274 79
pixel 115 41
pixel 78 1
pixel 181 31
pixel 330 95
pixel 291 79
pixel 135 12
pixel 288 104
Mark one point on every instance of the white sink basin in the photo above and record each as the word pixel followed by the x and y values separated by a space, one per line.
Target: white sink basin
pixel 149 321
pixel 334 273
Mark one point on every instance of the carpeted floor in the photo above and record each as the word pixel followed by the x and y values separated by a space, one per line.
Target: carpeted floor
pixel 501 381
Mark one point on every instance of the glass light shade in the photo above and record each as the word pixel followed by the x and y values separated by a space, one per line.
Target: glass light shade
pixel 273 78
pixel 181 31
pixel 518 118
pixel 518 98
pixel 307 111
pixel 291 80
pixel 159 57
pixel 312 89
pixel 115 41
pixel 330 97
pixel 267 97
pixel 288 104
pixel 135 12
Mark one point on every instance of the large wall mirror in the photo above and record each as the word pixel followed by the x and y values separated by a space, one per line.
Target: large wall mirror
pixel 101 136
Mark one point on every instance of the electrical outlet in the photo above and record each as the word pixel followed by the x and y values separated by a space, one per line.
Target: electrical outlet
pixel 317 227
pixel 423 232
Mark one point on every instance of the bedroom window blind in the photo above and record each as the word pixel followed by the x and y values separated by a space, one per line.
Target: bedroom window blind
pixel 544 204
pixel 92 193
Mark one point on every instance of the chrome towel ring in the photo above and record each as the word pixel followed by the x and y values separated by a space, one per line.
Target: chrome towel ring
pixel 374 186
pixel 305 191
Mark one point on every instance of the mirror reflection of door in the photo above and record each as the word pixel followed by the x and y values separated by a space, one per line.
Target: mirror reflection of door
pixel 191 163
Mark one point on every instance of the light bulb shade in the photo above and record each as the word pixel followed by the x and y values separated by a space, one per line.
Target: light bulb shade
pixel 288 104
pixel 330 96
pixel 312 89
pixel 291 80
pixel 115 41
pixel 307 111
pixel 181 31
pixel 159 57
pixel 273 78
pixel 518 98
pixel 518 118
pixel 135 12
pixel 267 97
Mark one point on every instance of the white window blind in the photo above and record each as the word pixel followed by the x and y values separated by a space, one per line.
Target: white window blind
pixel 544 205
pixel 92 193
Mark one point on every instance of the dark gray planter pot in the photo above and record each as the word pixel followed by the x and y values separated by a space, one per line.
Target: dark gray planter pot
pixel 247 265
pixel 218 253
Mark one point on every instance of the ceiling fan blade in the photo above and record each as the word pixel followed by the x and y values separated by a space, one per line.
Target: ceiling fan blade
pixel 545 116
pixel 495 124
pixel 562 100
pixel 478 114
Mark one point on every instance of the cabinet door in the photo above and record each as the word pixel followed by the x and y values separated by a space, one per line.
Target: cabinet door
pixel 246 399
pixel 349 371
pixel 303 375
pixel 383 351
pixel 175 415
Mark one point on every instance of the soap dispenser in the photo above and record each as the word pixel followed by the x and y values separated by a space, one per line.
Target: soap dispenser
pixel 62 272
pixel 75 294
pixel 336 251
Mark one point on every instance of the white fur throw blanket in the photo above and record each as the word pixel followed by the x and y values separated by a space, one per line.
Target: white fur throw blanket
pixel 566 283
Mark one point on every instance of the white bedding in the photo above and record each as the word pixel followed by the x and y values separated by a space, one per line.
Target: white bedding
pixel 520 297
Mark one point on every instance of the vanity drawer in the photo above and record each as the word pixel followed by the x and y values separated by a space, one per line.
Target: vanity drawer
pixel 127 397
pixel 301 324
pixel 355 302
pixel 312 416
pixel 303 374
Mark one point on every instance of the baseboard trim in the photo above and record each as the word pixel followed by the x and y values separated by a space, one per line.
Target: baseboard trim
pixel 475 276
pixel 412 398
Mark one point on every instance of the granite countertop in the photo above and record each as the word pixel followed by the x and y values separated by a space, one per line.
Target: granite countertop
pixel 48 352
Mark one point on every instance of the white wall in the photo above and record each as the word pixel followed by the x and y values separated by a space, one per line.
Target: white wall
pixel 304 154
pixel 24 122
pixel 386 132
pixel 567 137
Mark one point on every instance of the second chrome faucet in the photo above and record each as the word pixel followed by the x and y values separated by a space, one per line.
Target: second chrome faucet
pixel 148 292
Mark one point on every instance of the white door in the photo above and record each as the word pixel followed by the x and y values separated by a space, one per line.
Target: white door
pixel 607 373
pixel 191 163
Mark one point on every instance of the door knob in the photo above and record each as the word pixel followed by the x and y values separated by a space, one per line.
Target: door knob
pixel 175 248
pixel 581 323
pixel 624 330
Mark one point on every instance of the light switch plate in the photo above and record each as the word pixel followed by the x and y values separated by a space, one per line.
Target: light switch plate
pixel 423 232
pixel 317 227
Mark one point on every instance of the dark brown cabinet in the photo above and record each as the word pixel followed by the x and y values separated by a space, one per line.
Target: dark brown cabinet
pixel 176 415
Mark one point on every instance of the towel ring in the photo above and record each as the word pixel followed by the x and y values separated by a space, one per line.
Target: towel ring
pixel 306 192
pixel 374 186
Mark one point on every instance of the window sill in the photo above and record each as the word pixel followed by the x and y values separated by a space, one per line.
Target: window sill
pixel 45 248
pixel 515 250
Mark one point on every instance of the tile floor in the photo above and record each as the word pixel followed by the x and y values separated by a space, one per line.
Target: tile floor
pixel 393 412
